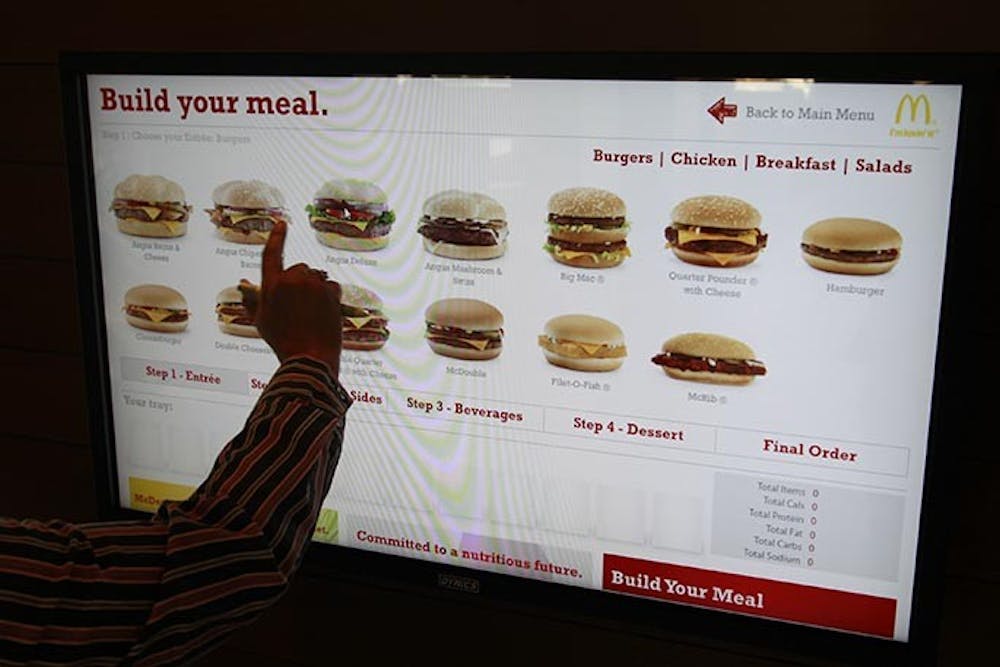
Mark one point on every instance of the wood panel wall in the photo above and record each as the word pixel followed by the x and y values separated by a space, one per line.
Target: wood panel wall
pixel 45 468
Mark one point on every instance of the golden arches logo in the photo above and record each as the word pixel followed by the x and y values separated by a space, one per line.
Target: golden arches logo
pixel 914 104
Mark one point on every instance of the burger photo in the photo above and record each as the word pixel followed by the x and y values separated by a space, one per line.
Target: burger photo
pixel 587 228
pixel 464 225
pixel 351 214
pixel 364 322
pixel 232 316
pixel 707 357
pixel 716 231
pixel 464 329
pixel 156 308
pixel 583 343
pixel 150 206
pixel 854 246
pixel 245 211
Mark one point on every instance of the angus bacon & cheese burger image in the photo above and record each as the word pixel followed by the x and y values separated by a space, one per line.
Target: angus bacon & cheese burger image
pixel 364 324
pixel 232 316
pixel 245 211
pixel 587 228
pixel 464 329
pixel 156 308
pixel 715 230
pixel 150 206
pixel 853 246
pixel 351 214
pixel 583 343
pixel 708 357
pixel 464 225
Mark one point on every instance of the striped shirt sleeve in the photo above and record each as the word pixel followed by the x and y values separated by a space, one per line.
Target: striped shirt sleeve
pixel 167 590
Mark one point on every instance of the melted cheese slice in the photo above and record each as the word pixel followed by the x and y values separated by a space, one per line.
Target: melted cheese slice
pixel 476 343
pixel 695 234
pixel 722 258
pixel 228 319
pixel 359 322
pixel 158 314
pixel 152 211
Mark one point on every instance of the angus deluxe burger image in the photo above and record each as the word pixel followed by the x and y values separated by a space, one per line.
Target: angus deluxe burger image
pixel 351 214
pixel 245 211
pixel 156 308
pixel 464 225
pixel 150 206
pixel 232 316
pixel 855 246
pixel 715 230
pixel 587 228
pixel 364 322
pixel 707 357
pixel 583 343
pixel 464 329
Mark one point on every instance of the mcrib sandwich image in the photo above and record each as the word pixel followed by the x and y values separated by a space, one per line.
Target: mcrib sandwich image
pixel 707 357
pixel 232 315
pixel 464 329
pixel 150 206
pixel 364 323
pixel 245 211
pixel 464 225
pixel 583 343
pixel 156 308
pixel 351 214
pixel 587 228
pixel 715 230
pixel 855 246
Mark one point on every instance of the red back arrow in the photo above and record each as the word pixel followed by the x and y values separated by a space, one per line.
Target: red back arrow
pixel 721 110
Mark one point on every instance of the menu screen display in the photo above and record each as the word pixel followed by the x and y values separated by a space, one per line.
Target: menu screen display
pixel 673 340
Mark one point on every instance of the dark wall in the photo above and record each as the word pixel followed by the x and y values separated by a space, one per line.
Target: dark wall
pixel 45 468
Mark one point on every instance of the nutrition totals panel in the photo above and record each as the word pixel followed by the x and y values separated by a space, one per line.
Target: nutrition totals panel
pixel 667 339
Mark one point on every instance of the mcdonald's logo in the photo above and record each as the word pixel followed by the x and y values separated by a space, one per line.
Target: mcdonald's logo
pixel 914 104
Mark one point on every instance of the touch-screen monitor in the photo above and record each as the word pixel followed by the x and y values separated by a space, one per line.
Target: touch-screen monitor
pixel 670 339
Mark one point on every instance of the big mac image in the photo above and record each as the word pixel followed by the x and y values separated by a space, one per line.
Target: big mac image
pixel 464 329
pixel 852 246
pixel 587 228
pixel 709 357
pixel 716 231
pixel 156 308
pixel 583 343
pixel 464 225
pixel 351 214
pixel 364 323
pixel 245 211
pixel 150 206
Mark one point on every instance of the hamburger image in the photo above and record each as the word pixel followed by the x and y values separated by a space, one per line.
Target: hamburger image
pixel 583 343
pixel 150 206
pixel 245 211
pixel 587 228
pixel 464 329
pixel 156 308
pixel 232 316
pixel 855 246
pixel 715 230
pixel 364 323
pixel 464 225
pixel 707 357
pixel 351 214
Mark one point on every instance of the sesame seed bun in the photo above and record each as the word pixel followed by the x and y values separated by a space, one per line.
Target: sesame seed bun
pixel 356 296
pixel 853 235
pixel 712 346
pixel 248 194
pixel 149 188
pixel 155 296
pixel 565 336
pixel 462 205
pixel 716 211
pixel 586 203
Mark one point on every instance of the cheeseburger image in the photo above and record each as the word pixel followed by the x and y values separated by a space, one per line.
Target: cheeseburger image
pixel 706 357
pixel 156 308
pixel 232 316
pixel 364 323
pixel 587 228
pixel 351 214
pixel 464 225
pixel 150 206
pixel 245 211
pixel 715 230
pixel 583 343
pixel 464 329
pixel 854 246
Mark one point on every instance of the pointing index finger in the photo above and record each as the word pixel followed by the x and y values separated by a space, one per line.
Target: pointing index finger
pixel 273 259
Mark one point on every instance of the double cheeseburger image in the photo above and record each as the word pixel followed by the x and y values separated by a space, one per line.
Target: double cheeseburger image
pixel 351 214
pixel 232 316
pixel 464 225
pixel 156 308
pixel 583 343
pixel 716 231
pixel 707 357
pixel 150 206
pixel 245 211
pixel 364 322
pixel 854 246
pixel 464 329
pixel 587 228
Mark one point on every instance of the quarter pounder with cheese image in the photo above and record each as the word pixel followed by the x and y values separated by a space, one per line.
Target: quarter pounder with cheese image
pixel 587 228
pixel 709 357
pixel 245 211
pixel 150 206
pixel 853 246
pixel 365 326
pixel 464 329
pixel 232 316
pixel 156 308
pixel 716 231
pixel 351 214
pixel 583 343
pixel 464 225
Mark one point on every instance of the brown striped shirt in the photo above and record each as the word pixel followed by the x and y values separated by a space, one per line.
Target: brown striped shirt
pixel 167 590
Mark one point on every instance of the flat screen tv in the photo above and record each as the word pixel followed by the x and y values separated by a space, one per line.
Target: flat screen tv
pixel 658 339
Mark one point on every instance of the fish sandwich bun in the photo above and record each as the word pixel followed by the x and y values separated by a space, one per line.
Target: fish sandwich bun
pixel 156 308
pixel 464 225
pixel 855 246
pixel 150 206
pixel 351 214
pixel 232 316
pixel 464 329
pixel 587 228
pixel 583 343
pixel 246 211
pixel 716 231
pixel 365 326
pixel 712 358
